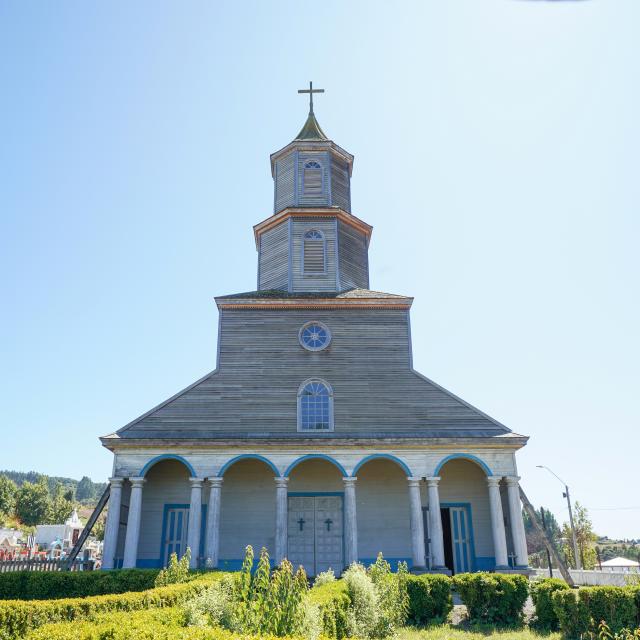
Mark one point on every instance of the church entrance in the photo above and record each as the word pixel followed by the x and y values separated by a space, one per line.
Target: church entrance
pixel 456 532
pixel 175 525
pixel 315 538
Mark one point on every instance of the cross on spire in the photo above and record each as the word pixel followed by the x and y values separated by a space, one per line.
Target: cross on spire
pixel 310 91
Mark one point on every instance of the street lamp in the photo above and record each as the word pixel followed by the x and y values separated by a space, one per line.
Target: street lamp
pixel 576 555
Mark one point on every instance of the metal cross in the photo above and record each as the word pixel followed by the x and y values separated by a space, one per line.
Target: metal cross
pixel 301 523
pixel 310 91
pixel 328 522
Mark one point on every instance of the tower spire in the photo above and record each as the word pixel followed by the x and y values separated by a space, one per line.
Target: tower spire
pixel 310 91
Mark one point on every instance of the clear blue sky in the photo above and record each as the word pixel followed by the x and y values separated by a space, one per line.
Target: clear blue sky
pixel 496 149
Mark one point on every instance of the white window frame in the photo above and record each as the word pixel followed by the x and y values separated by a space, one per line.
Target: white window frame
pixel 314 349
pixel 304 182
pixel 300 390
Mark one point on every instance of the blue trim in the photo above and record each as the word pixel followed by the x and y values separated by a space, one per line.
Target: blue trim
pixel 472 542
pixel 248 456
pixel 312 456
pixel 385 456
pixel 149 563
pixel 337 251
pixel 464 456
pixel 167 456
pixel 290 257
pixel 485 563
pixel 163 535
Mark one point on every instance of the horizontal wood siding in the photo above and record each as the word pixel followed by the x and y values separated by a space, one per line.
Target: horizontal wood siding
pixel 340 184
pixel 317 281
pixel 322 198
pixel 274 258
pixel 262 365
pixel 354 263
pixel 284 182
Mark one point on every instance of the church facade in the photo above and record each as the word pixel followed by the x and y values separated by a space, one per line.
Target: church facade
pixel 314 437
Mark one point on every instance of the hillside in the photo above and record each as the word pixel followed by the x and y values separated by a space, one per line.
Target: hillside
pixel 84 490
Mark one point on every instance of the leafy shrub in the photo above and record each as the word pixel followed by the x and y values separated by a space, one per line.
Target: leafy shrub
pixel 212 606
pixel 541 594
pixel 43 585
pixel 493 598
pixel 324 577
pixel 392 596
pixel 572 613
pixel 158 624
pixel 429 598
pixel 177 571
pixel 605 633
pixel 615 605
pixel 333 603
pixel 364 604
pixel 17 617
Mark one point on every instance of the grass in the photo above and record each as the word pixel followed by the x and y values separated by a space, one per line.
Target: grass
pixel 447 632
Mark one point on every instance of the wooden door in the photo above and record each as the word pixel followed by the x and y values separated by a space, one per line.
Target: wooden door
pixel 460 539
pixel 315 533
pixel 175 528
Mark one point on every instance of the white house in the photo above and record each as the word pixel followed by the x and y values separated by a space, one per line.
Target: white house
pixel 64 536
pixel 621 564
pixel 315 437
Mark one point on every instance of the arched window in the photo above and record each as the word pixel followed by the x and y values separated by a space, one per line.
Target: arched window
pixel 315 406
pixel 313 257
pixel 312 178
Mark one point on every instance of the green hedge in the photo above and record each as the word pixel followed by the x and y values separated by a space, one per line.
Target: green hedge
pixel 165 624
pixel 333 600
pixel 42 585
pixel 429 598
pixel 541 594
pixel 17 617
pixel 493 598
pixel 581 611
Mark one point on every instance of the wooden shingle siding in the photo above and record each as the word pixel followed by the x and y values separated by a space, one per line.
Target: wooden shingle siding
pixel 262 365
pixel 353 256
pixel 274 258
pixel 284 182
pixel 325 281
pixel 340 185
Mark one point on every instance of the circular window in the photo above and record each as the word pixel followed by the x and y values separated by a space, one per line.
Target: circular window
pixel 314 336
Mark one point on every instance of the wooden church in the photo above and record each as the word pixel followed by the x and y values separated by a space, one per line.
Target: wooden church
pixel 314 436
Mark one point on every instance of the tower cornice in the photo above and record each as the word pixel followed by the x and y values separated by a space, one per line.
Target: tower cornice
pixel 312 145
pixel 309 212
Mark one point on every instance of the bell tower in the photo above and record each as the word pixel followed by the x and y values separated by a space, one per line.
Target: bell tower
pixel 312 242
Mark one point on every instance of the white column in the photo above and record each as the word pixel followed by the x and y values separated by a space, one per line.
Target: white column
pixel 517 524
pixel 195 521
pixel 112 526
pixel 435 524
pixel 212 534
pixel 350 521
pixel 133 524
pixel 497 523
pixel 282 515
pixel 417 527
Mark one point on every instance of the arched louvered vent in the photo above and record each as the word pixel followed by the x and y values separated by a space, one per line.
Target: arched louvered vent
pixel 314 252
pixel 312 178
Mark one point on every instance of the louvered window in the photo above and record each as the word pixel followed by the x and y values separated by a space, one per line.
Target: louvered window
pixel 314 260
pixel 312 178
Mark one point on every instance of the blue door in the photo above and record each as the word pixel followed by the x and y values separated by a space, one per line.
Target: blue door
pixel 175 528
pixel 461 539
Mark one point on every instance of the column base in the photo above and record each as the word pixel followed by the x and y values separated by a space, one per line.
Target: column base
pixel 417 570
pixel 441 570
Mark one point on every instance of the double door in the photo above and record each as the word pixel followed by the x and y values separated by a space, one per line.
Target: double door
pixel 315 533
pixel 456 537
pixel 175 532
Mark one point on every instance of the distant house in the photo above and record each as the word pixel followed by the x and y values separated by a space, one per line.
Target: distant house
pixel 621 564
pixel 60 536
pixel 9 543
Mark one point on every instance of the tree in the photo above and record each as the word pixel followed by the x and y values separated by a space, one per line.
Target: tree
pixel 585 538
pixel 61 505
pixel 33 502
pixel 85 490
pixel 7 497
pixel 535 541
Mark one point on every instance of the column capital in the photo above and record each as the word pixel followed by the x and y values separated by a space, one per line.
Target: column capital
pixel 414 481
pixel 137 481
pixel 196 482
pixel 281 482
pixel 215 482
pixel 116 482
pixel 512 481
pixel 493 481
pixel 349 481
pixel 432 481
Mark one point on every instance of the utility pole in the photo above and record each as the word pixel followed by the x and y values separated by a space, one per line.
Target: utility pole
pixel 565 494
